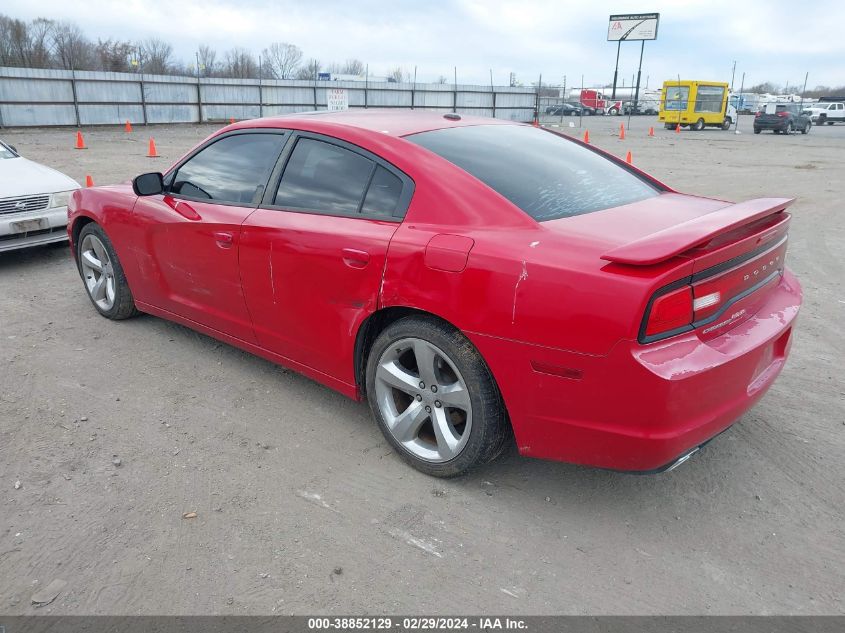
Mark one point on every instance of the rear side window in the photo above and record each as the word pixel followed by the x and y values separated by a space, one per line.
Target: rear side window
pixel 676 98
pixel 234 169
pixel 545 175
pixel 383 194
pixel 324 177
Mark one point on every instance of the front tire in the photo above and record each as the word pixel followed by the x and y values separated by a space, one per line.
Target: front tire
pixel 806 128
pixel 788 129
pixel 434 397
pixel 103 275
pixel 726 124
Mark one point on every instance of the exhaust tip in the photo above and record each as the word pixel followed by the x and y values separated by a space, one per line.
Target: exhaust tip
pixel 683 458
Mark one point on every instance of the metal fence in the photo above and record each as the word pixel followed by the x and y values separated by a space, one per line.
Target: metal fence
pixel 41 97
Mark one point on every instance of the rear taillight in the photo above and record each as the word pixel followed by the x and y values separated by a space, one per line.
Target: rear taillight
pixel 783 114
pixel 758 114
pixel 670 311
pixel 703 300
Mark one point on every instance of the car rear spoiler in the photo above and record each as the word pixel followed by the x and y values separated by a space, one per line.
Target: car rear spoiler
pixel 677 239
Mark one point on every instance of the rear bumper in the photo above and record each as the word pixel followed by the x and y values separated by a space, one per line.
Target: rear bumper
pixel 772 125
pixel 641 407
pixel 47 226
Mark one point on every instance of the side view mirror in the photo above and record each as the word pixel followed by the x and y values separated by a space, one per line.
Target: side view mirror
pixel 148 184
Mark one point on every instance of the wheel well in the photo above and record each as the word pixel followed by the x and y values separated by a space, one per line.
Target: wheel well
pixel 369 331
pixel 78 225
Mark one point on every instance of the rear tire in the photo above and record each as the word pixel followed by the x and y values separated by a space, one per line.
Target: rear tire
pixel 806 128
pixel 434 398
pixel 757 130
pixel 788 129
pixel 699 125
pixel 102 274
pixel 668 126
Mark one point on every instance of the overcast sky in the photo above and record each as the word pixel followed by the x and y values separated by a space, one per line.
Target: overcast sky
pixel 776 40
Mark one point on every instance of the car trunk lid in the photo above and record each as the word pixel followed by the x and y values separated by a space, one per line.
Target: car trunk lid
pixel 727 257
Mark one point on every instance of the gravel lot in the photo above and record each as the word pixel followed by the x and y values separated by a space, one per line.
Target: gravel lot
pixel 300 505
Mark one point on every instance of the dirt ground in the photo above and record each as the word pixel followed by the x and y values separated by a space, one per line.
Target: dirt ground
pixel 302 507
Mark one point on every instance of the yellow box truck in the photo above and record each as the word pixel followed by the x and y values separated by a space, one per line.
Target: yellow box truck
pixel 695 104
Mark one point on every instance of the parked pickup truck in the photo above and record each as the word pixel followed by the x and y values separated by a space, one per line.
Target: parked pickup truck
pixel 829 113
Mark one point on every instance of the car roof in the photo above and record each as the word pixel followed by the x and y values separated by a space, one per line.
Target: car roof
pixel 394 122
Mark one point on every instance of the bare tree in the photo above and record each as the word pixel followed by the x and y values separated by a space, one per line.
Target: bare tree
pixel 442 79
pixel 71 49
pixel 7 57
pixel 27 44
pixel 114 55
pixel 765 87
pixel 240 63
pixel 310 70
pixel 207 58
pixel 281 60
pixel 353 67
pixel 157 56
pixel 397 74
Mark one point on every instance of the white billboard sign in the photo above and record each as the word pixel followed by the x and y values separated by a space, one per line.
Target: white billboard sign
pixel 639 26
pixel 337 99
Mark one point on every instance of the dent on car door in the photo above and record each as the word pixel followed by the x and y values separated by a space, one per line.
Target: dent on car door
pixel 188 247
pixel 313 254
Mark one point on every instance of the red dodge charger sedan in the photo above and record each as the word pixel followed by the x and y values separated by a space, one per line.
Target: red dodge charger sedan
pixel 476 280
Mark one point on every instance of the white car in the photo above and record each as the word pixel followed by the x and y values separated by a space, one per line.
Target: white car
pixel 33 201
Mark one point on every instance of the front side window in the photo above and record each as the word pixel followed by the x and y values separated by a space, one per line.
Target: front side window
pixel 545 175
pixel 709 99
pixel 6 152
pixel 234 169
pixel 323 177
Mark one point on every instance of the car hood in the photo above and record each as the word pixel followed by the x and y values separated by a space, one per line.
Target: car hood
pixel 22 177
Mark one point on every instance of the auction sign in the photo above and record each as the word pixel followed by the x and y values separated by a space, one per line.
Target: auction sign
pixel 337 99
pixel 640 26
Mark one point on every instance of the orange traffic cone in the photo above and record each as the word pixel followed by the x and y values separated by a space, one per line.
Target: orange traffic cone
pixel 80 142
pixel 89 182
pixel 621 131
pixel 678 129
pixel 152 153
pixel 535 122
pixel 651 131
pixel 231 120
pixel 128 126
pixel 586 136
pixel 628 159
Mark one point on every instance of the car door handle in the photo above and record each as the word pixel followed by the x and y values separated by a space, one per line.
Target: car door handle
pixel 354 258
pixel 224 239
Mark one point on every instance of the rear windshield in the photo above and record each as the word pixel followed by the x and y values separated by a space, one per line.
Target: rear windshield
pixel 545 175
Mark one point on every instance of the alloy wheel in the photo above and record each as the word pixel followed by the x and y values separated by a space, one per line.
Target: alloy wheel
pixel 423 399
pixel 97 271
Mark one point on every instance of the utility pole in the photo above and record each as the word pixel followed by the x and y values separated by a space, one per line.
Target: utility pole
pixel 616 71
pixel 639 74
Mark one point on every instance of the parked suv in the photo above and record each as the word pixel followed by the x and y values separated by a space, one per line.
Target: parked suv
pixel 782 118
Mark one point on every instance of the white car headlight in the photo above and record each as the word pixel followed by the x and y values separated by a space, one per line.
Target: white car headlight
pixel 60 199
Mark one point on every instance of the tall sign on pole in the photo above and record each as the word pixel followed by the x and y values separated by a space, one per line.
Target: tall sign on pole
pixel 631 27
